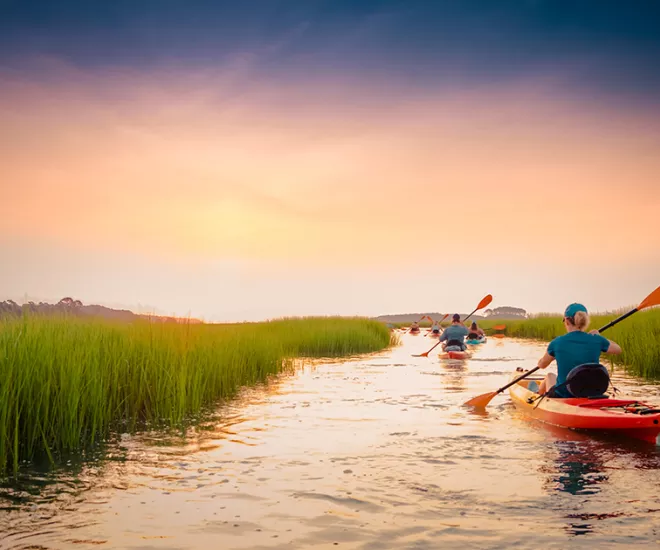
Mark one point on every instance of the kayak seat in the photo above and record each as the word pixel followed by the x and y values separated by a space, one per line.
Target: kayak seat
pixel 590 380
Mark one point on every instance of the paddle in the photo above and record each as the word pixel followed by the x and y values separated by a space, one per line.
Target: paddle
pixel 484 302
pixel 439 323
pixel 481 401
pixel 499 327
pixel 420 320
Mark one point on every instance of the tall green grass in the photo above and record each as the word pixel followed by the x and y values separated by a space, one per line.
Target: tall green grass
pixel 67 383
pixel 638 336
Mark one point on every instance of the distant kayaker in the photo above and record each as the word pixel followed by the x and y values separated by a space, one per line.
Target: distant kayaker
pixel 572 349
pixel 414 327
pixel 475 332
pixel 435 328
pixel 454 335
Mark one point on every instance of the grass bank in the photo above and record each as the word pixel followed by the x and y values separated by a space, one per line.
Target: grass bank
pixel 639 336
pixel 66 384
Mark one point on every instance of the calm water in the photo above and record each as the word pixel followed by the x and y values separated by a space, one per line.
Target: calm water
pixel 371 453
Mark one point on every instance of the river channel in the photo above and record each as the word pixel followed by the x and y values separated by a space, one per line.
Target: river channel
pixel 374 452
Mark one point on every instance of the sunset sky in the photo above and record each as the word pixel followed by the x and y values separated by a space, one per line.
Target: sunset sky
pixel 252 159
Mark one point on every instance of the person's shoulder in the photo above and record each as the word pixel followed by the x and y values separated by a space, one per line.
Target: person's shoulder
pixel 558 339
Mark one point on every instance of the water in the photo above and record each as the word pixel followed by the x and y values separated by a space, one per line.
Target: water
pixel 371 453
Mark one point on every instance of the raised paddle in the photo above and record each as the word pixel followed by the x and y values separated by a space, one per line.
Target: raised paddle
pixel 481 401
pixel 484 302
pixel 439 323
pixel 420 320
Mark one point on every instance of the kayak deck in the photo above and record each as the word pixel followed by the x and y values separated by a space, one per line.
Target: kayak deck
pixel 629 418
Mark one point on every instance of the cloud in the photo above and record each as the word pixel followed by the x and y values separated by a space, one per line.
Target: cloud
pixel 189 167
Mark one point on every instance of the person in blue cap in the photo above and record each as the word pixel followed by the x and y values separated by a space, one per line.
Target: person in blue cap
pixel 572 349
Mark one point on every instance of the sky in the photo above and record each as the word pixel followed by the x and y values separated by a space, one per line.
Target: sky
pixel 257 159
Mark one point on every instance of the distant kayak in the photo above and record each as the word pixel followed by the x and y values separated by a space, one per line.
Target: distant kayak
pixel 475 341
pixel 630 418
pixel 455 355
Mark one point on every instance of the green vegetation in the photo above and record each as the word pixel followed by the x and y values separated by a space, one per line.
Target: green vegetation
pixel 639 336
pixel 66 383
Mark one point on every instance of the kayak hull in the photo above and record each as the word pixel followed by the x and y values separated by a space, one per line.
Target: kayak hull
pixel 614 416
pixel 455 355
pixel 477 341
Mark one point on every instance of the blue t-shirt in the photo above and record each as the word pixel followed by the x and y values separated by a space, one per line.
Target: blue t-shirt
pixel 576 348
pixel 454 332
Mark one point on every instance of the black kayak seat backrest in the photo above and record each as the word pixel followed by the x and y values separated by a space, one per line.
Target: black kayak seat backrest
pixel 588 380
pixel 473 336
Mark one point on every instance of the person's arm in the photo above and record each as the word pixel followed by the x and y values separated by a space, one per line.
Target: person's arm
pixel 614 348
pixel 545 361
pixel 608 346
pixel 549 356
pixel 443 336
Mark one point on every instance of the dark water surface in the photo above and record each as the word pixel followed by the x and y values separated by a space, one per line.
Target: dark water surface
pixel 371 453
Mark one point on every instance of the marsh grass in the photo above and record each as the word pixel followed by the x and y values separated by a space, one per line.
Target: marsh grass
pixel 66 383
pixel 638 336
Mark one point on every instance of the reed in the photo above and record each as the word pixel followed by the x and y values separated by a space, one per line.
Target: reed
pixel 66 383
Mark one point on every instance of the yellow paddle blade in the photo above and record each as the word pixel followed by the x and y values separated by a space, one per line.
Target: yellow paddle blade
pixel 651 300
pixel 486 300
pixel 481 401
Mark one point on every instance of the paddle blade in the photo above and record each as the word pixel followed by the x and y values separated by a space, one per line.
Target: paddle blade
pixel 651 300
pixel 499 327
pixel 481 401
pixel 425 354
pixel 447 315
pixel 486 300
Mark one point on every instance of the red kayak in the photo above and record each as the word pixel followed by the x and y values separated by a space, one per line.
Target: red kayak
pixel 629 418
pixel 455 355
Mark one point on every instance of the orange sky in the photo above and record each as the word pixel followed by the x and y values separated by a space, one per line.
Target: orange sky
pixel 228 196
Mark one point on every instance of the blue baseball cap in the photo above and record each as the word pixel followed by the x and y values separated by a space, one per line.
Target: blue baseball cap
pixel 572 309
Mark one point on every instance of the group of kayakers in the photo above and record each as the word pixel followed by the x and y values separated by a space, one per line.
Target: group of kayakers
pixel 454 336
pixel 576 347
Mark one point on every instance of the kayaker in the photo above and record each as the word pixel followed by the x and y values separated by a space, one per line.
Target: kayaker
pixel 435 328
pixel 414 327
pixel 454 335
pixel 475 332
pixel 572 349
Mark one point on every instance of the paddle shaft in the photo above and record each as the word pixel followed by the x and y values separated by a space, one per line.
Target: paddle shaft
pixel 618 320
pixel 515 381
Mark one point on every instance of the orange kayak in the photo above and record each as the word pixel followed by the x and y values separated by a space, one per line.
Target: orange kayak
pixel 455 355
pixel 629 418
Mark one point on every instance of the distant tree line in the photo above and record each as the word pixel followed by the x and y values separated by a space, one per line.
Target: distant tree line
pixel 506 311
